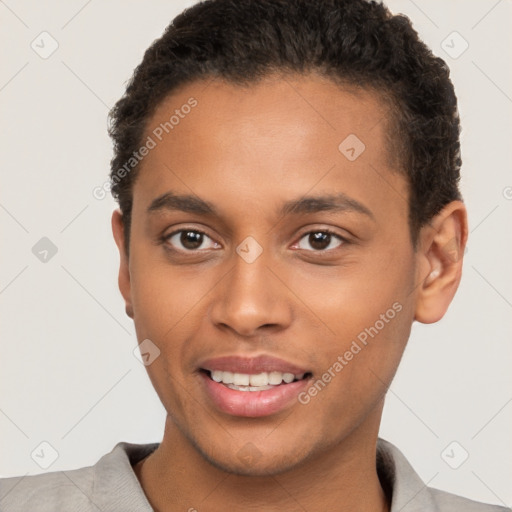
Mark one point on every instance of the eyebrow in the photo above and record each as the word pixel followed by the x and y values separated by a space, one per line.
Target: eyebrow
pixel 309 204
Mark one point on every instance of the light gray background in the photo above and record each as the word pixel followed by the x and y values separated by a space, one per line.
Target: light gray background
pixel 68 375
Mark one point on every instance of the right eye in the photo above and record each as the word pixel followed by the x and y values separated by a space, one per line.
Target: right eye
pixel 191 240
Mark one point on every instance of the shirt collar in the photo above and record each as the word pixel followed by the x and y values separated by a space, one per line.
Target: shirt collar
pixel 114 473
pixel 408 491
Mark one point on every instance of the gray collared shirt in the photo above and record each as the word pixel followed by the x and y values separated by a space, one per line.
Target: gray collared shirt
pixel 111 485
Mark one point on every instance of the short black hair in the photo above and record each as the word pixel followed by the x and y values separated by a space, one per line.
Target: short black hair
pixel 354 42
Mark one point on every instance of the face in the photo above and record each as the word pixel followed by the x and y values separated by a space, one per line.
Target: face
pixel 290 259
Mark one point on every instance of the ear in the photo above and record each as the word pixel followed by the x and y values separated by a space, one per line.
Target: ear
pixel 440 254
pixel 124 268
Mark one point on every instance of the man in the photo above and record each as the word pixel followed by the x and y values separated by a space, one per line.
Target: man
pixel 287 175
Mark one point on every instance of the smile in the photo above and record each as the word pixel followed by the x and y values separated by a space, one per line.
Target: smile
pixel 241 388
pixel 253 382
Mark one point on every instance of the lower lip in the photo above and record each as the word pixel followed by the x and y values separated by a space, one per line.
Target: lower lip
pixel 252 404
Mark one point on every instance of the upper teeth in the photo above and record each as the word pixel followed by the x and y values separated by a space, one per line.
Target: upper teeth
pixel 259 379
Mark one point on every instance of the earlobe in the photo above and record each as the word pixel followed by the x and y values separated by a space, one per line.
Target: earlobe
pixel 440 258
pixel 124 268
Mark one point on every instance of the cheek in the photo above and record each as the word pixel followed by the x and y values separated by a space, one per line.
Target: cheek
pixel 160 306
pixel 162 294
pixel 351 297
pixel 357 369
pixel 366 313
pixel 165 306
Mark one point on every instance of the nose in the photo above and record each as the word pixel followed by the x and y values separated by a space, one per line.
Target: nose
pixel 250 298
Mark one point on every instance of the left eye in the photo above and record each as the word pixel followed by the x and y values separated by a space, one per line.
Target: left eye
pixel 321 240
pixel 191 240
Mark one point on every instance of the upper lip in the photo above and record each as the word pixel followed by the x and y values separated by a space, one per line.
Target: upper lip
pixel 251 365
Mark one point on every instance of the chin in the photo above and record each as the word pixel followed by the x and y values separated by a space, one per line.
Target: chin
pixel 264 466
pixel 249 460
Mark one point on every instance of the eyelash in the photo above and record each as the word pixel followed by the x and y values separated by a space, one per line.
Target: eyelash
pixel 165 239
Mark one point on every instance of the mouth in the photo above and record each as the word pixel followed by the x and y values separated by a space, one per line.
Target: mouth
pixel 254 382
pixel 252 387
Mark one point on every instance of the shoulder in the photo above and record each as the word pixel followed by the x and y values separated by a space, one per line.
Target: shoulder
pixel 110 481
pixel 410 494
pixel 448 502
pixel 43 492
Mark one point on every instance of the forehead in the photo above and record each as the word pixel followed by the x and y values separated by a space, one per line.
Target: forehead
pixel 294 106
pixel 265 142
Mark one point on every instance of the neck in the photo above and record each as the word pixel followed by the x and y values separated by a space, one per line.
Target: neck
pixel 176 476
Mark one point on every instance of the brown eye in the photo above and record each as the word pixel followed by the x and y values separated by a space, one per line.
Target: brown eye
pixel 321 240
pixel 188 240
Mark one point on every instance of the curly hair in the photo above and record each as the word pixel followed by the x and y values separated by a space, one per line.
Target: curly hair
pixel 352 42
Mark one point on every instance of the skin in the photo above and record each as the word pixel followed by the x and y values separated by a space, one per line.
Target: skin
pixel 247 150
